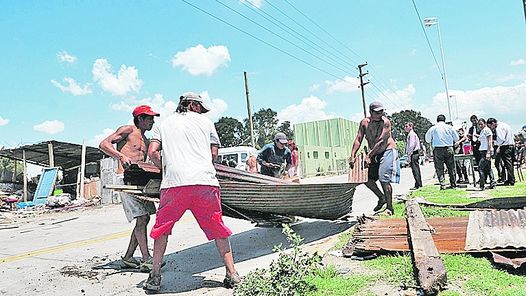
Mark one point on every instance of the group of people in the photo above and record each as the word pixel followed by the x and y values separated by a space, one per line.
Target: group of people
pixel 189 143
pixel 185 144
pixel 487 139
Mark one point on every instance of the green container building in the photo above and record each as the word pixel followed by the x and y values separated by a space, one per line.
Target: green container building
pixel 324 145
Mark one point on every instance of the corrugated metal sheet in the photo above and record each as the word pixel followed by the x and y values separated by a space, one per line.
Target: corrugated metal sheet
pixel 359 174
pixel 496 229
pixel 322 201
pixel 392 235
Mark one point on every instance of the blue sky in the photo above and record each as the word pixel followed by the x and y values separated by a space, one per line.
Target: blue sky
pixel 74 70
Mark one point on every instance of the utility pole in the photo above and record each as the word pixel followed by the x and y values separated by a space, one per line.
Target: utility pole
pixel 362 84
pixel 251 125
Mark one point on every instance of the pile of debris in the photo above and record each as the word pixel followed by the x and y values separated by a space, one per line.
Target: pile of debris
pixel 499 232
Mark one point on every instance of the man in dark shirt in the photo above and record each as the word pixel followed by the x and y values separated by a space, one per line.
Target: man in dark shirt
pixel 275 158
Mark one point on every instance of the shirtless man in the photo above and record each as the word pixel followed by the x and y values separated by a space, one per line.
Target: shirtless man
pixel 382 156
pixel 132 147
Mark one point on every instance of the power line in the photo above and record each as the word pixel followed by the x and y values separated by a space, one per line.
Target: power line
pixel 303 38
pixel 428 43
pixel 335 39
pixel 260 40
pixel 281 37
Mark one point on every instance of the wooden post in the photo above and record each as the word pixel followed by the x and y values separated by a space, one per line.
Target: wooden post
pixel 25 174
pixel 14 171
pixel 251 125
pixel 429 267
pixel 82 169
pixel 51 155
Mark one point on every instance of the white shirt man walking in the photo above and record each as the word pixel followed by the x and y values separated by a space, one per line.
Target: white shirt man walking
pixel 442 137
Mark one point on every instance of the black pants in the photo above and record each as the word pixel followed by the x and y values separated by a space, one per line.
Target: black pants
pixel 485 171
pixel 507 153
pixel 415 168
pixel 441 156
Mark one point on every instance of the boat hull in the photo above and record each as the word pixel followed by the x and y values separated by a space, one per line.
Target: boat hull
pixel 321 201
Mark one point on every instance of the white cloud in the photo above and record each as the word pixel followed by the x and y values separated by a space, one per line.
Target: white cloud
pixel 3 121
pixel 166 107
pixel 65 57
pixel 50 127
pixel 506 103
pixel 256 3
pixel 315 87
pixel 199 60
pixel 95 141
pixel 412 52
pixel 73 87
pixel 518 62
pixel 397 100
pixel 126 80
pixel 310 109
pixel 345 85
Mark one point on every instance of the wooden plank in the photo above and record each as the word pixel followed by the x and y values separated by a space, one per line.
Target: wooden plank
pixel 430 269
pixel 123 187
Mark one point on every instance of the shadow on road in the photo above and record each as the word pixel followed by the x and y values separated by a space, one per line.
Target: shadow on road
pixel 180 273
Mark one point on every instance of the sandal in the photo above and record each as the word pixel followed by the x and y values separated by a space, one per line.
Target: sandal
pixel 231 280
pixel 153 283
pixel 130 262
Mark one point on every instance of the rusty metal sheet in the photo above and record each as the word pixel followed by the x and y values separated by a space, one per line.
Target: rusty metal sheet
pixel 496 229
pixel 515 262
pixel 449 235
pixel 359 174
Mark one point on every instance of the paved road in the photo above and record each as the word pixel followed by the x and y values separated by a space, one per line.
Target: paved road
pixel 77 253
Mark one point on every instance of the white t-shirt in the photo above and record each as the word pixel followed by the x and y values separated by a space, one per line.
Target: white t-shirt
pixel 483 137
pixel 186 156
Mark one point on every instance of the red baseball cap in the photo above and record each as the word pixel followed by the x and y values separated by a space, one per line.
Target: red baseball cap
pixel 144 109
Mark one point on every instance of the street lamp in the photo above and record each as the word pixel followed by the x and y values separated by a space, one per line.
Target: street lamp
pixel 428 22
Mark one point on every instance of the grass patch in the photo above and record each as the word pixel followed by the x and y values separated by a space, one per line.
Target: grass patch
pixel 433 192
pixel 328 282
pixel 509 191
pixel 396 270
pixel 478 276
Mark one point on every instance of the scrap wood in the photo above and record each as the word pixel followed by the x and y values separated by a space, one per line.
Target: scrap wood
pixel 430 268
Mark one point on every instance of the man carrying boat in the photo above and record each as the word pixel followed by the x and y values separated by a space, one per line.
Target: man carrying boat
pixel 189 143
pixel 382 156
pixel 275 158
pixel 132 146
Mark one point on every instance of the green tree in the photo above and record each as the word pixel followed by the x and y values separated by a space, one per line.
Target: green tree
pixel 285 128
pixel 265 126
pixel 230 131
pixel 420 124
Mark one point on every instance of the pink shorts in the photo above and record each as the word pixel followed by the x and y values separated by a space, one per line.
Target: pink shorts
pixel 205 203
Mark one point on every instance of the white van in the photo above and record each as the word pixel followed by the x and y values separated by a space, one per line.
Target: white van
pixel 239 154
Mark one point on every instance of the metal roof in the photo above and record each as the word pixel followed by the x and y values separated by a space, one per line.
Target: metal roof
pixel 66 155
pixel 496 229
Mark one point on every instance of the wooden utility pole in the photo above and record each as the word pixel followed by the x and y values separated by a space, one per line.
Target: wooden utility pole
pixel 25 174
pixel 51 155
pixel 362 84
pixel 82 169
pixel 251 125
